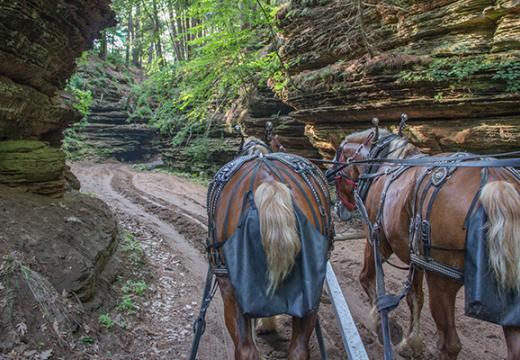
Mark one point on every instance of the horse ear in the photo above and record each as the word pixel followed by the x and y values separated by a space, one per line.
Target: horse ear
pixel 375 122
pixel 238 129
pixel 269 127
pixel 402 123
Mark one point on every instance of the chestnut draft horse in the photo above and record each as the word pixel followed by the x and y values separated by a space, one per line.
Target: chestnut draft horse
pixel 275 185
pixel 393 197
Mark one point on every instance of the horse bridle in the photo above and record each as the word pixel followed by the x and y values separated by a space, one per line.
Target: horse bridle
pixel 340 176
pixel 362 184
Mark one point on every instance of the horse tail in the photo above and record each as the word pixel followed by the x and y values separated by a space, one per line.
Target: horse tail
pixel 501 201
pixel 278 229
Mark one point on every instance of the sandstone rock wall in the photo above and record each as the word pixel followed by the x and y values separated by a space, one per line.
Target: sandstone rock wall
pixel 452 65
pixel 110 130
pixel 264 106
pixel 53 252
pixel 252 112
pixel 199 153
pixel 40 41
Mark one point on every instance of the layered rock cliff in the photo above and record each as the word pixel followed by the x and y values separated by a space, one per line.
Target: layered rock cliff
pixel 252 112
pixel 263 106
pixel 110 130
pixel 40 42
pixel 453 66
pixel 54 249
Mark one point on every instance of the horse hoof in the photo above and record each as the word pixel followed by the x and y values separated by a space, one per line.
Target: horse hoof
pixel 411 347
pixel 396 333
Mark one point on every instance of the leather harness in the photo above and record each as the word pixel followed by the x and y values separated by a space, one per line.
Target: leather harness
pixel 431 180
pixel 303 169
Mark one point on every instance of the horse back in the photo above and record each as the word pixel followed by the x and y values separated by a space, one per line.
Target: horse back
pixel 308 188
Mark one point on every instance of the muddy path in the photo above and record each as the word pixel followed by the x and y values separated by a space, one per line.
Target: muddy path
pixel 172 209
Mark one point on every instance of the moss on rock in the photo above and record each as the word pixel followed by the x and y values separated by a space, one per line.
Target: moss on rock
pixel 33 165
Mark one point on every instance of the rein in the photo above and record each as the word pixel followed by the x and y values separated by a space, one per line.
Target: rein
pixel 277 143
pixel 469 161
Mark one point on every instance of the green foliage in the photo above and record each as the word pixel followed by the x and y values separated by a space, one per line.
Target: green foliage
pixel 73 144
pixel 132 248
pixel 229 53
pixel 106 321
pixel 200 177
pixel 87 340
pixel 509 72
pixel 135 287
pixel 83 96
pixel 461 70
pixel 127 304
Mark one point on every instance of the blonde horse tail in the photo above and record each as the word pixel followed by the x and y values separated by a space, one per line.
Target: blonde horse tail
pixel 501 202
pixel 278 229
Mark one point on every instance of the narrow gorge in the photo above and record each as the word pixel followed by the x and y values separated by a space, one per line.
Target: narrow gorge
pixel 116 114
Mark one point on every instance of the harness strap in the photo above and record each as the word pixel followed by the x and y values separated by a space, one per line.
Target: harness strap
pixel 321 342
pixel 437 267
pixel 381 293
pixel 484 173
pixel 302 191
pixel 199 326
pixel 446 161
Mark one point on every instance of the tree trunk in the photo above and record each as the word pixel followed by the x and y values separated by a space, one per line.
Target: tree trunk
pixel 157 31
pixel 182 32
pixel 129 36
pixel 103 46
pixel 173 32
pixel 187 28
pixel 138 43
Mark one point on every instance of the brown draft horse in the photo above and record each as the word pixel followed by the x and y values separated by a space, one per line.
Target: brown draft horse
pixel 501 201
pixel 275 192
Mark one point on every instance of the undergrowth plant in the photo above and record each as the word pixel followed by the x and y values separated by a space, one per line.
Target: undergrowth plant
pixel 132 249
pixel 461 70
pixel 106 321
pixel 74 145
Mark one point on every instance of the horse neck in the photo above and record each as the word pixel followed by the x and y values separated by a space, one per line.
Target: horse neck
pixel 401 148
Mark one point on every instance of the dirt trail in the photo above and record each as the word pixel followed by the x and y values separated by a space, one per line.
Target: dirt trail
pixel 173 210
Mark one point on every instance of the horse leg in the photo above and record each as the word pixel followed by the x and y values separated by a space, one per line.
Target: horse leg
pixel 302 329
pixel 367 278
pixel 239 327
pixel 442 307
pixel 413 345
pixel 512 335
pixel 266 325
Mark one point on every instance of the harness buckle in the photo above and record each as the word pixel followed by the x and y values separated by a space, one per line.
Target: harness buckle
pixel 426 236
pixel 439 176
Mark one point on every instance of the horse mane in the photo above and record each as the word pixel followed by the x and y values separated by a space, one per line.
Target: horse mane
pixel 398 149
